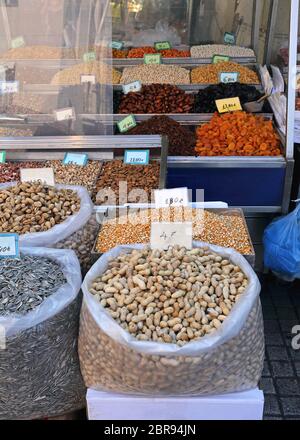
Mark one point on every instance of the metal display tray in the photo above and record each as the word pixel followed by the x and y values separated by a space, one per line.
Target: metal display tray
pixel 104 148
pixel 251 258
pixel 196 87
pixel 183 62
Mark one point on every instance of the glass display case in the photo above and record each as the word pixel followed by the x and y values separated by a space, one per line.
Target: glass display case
pixel 50 66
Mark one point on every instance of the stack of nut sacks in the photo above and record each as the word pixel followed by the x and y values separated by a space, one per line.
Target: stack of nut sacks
pixel 40 301
pixel 172 322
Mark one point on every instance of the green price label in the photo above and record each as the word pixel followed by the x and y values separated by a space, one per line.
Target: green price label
pixel 152 58
pixel 89 56
pixel 229 38
pixel 162 45
pixel 117 45
pixel 2 156
pixel 127 123
pixel 17 42
pixel 220 59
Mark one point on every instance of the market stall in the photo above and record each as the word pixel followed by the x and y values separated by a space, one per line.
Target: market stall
pixel 104 104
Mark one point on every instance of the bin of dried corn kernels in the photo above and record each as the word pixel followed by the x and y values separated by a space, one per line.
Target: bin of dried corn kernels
pixel 238 134
pixel 226 228
pixel 175 322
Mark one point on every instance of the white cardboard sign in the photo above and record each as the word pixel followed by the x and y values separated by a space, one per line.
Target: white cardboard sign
pixel 171 198
pixel 164 235
pixel 45 175
pixel 64 114
pixel 88 79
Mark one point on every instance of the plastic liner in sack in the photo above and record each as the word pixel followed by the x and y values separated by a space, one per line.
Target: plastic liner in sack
pixel 229 360
pixel 39 368
pixel 282 246
pixel 73 233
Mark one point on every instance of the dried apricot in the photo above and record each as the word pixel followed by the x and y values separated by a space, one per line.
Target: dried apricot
pixel 237 134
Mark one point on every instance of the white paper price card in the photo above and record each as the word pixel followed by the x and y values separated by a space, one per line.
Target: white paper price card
pixel 9 87
pixel 76 159
pixel 137 157
pixel 171 198
pixel 64 114
pixel 135 86
pixel 88 79
pixel 44 175
pixel 164 235
pixel 9 246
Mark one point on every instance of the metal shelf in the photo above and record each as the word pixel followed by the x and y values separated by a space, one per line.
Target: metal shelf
pixel 184 62
pixel 226 162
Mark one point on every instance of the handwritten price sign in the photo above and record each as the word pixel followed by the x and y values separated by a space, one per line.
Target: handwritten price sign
pixel 164 235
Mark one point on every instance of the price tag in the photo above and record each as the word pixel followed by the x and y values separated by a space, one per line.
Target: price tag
pixel 152 58
pixel 229 105
pixel 88 79
pixel 2 156
pixel 162 45
pixel 229 77
pixel 76 159
pixel 44 175
pixel 164 235
pixel 135 86
pixel 127 123
pixel 64 114
pixel 137 157
pixel 220 59
pixel 9 87
pixel 229 38
pixel 168 198
pixel 117 45
pixel 89 56
pixel 9 246
pixel 17 42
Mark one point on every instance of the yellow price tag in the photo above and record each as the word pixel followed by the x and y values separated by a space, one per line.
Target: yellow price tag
pixel 229 105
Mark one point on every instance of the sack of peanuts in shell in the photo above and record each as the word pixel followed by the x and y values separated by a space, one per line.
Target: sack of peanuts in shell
pixel 169 323
pixel 60 217
pixel 40 304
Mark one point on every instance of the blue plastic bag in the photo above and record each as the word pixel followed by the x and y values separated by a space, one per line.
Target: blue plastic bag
pixel 282 246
